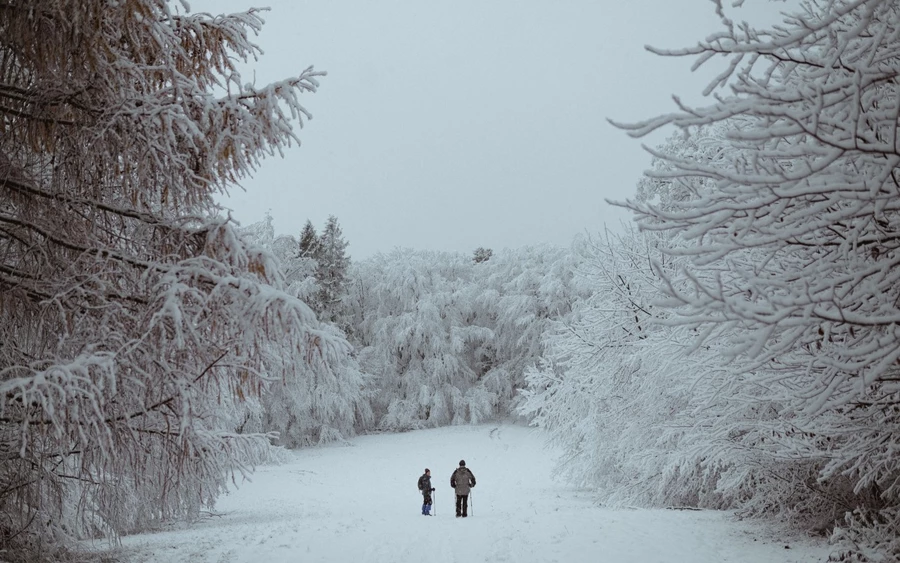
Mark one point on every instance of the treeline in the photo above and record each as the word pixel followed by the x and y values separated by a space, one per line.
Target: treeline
pixel 432 338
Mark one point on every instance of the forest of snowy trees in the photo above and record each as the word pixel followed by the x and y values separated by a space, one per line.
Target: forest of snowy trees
pixel 736 348
pixel 767 275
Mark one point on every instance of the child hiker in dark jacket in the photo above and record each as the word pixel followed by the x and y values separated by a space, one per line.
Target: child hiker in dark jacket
pixel 425 488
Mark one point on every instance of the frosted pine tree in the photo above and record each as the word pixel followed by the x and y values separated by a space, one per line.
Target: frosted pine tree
pixel 299 271
pixel 308 245
pixel 331 270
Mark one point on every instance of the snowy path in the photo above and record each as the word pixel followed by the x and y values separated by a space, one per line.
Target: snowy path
pixel 359 503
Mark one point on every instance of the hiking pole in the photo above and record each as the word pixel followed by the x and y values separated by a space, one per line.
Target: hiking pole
pixel 472 498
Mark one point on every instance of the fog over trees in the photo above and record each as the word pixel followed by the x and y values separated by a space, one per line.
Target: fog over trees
pixel 736 348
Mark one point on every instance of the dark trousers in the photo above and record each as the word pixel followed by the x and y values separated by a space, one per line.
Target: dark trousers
pixel 427 497
pixel 462 505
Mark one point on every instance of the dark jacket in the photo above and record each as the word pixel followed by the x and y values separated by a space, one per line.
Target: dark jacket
pixel 462 480
pixel 425 484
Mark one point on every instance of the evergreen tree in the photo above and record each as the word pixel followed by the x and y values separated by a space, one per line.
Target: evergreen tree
pixel 331 270
pixel 309 241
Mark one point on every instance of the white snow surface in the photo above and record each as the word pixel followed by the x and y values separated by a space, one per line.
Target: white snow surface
pixel 358 502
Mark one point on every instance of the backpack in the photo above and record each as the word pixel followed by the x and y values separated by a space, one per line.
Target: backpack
pixel 461 473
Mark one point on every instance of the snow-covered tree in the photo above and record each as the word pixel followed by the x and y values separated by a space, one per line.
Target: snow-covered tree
pixel 132 319
pixel 799 244
pixel 613 387
pixel 663 186
pixel 325 402
pixel 521 292
pixel 482 254
pixel 309 241
pixel 297 268
pixel 415 326
pixel 318 402
pixel 449 339
pixel 331 270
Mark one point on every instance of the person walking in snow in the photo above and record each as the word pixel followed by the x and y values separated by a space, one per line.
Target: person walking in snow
pixel 426 489
pixel 462 480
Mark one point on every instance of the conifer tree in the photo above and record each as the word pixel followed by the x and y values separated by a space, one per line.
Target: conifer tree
pixel 309 241
pixel 331 270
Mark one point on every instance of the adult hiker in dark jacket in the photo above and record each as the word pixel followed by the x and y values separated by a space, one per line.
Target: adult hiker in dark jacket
pixel 425 488
pixel 462 480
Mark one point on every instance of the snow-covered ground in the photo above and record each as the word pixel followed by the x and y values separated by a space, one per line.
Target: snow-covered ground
pixel 359 503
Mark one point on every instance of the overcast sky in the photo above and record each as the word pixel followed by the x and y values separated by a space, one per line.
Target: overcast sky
pixel 449 125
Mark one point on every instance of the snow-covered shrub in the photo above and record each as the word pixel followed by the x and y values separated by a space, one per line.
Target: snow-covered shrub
pixel 868 536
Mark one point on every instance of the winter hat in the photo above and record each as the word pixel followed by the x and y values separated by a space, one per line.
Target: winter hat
pixel 427 470
pixel 462 463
